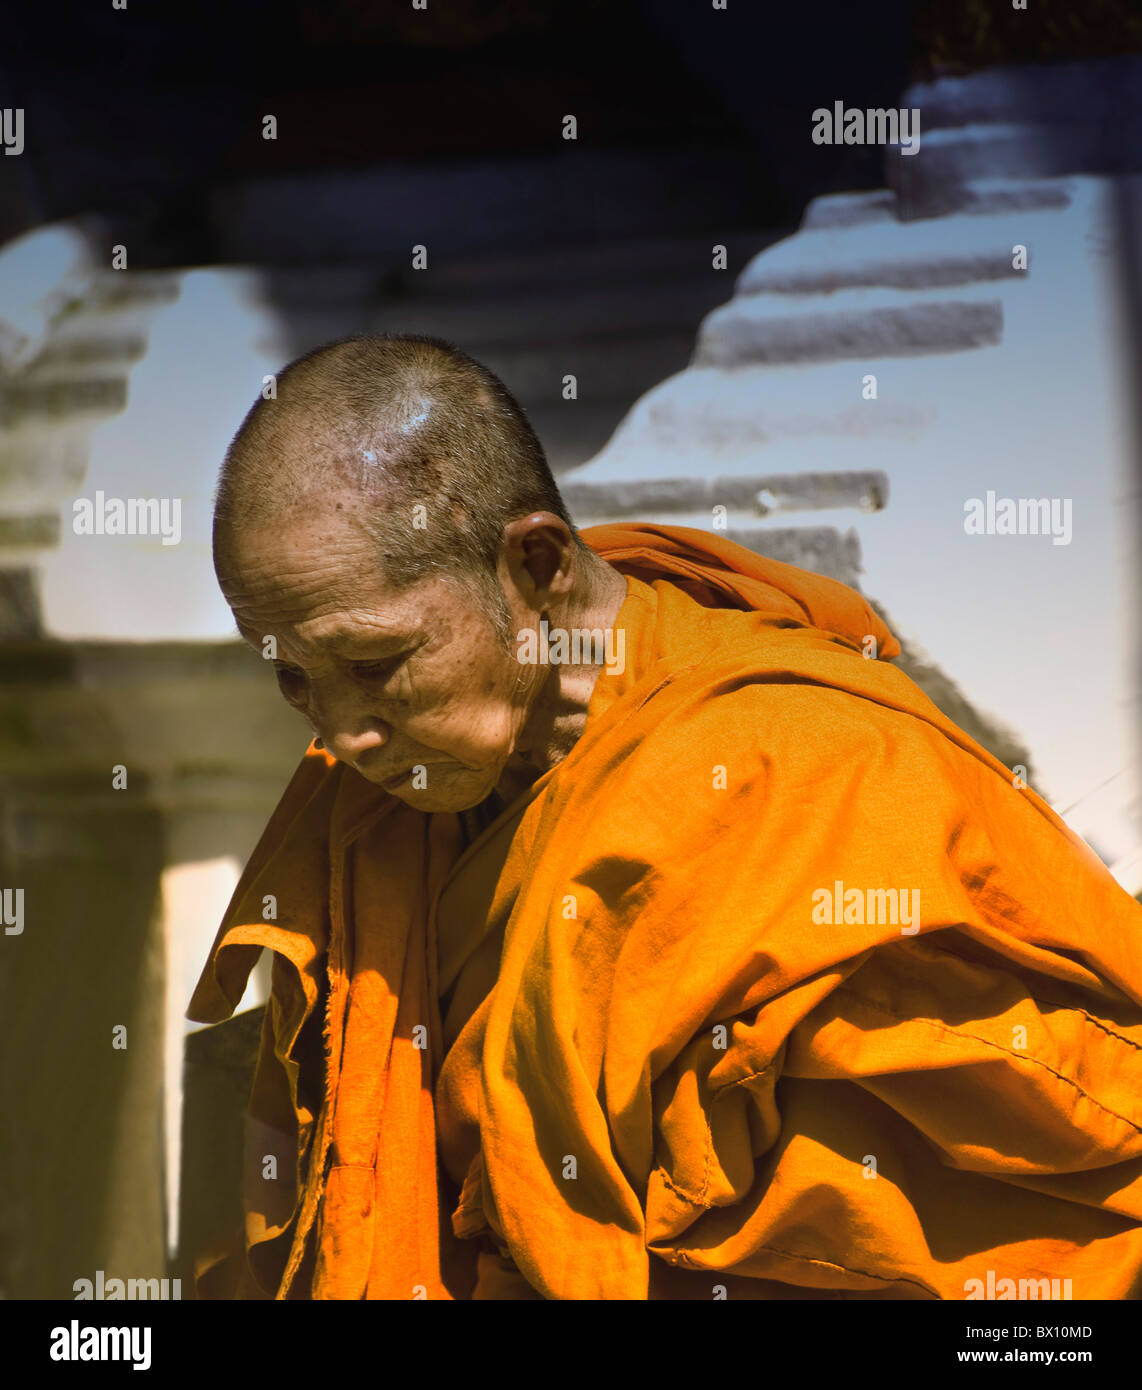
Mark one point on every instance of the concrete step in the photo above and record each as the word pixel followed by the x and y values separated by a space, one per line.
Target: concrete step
pixel 759 494
pixel 758 418
pixel 117 291
pixel 40 463
pixel 975 197
pixel 107 354
pixel 1025 122
pixel 1057 94
pixel 954 157
pixel 849 210
pixel 36 273
pixel 858 323
pixel 822 549
pixel 954 250
pixel 67 400
pixel 65 358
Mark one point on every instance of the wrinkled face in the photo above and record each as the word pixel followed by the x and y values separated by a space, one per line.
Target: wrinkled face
pixel 414 689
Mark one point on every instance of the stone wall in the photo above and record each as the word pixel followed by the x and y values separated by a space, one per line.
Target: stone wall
pixel 973 328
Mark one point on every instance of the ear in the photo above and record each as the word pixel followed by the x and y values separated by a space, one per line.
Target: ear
pixel 538 553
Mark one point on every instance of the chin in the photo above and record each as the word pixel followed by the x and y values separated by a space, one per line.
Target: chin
pixel 459 798
pixel 424 801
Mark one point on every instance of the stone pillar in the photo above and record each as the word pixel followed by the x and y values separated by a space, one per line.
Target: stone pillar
pixel 108 876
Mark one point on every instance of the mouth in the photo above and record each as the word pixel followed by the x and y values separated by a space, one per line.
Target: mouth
pixel 389 783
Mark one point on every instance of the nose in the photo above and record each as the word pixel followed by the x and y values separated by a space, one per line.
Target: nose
pixel 347 728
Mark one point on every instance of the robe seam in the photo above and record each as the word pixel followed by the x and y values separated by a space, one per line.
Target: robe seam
pixel 752 1076
pixel 987 1042
pixel 690 1197
pixel 1045 999
pixel 685 1257
pixel 701 1198
pixel 1090 1018
pixel 846 1269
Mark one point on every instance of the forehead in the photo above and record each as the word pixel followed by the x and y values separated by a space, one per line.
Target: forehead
pixel 324 586
pixel 303 551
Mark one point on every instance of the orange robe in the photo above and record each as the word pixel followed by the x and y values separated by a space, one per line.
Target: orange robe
pixel 658 1031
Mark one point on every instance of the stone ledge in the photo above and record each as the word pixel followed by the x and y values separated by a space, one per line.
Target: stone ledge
pixel 753 329
pixel 65 401
pixel 955 157
pixel 1053 91
pixel 41 531
pixel 103 355
pixel 849 210
pixel 917 255
pixel 761 494
pixel 822 549
pixel 114 291
pixel 705 420
pixel 991 197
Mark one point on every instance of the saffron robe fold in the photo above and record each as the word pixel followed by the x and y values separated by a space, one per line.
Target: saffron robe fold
pixel 616 1047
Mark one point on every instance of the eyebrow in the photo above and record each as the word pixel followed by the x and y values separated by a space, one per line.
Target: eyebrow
pixel 345 637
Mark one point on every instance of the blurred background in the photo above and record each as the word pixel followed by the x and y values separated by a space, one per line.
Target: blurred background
pixel 698 306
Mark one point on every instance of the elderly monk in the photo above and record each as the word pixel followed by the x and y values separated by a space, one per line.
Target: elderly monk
pixel 638 929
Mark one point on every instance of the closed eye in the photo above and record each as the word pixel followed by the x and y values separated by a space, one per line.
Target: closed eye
pixel 365 669
pixel 374 670
pixel 287 674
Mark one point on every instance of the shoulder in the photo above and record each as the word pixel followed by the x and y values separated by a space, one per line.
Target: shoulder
pixel 800 721
pixel 795 693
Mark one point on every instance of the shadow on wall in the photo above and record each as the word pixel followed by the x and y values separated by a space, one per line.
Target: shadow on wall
pixel 218 1074
pixel 81 1170
pixel 207 744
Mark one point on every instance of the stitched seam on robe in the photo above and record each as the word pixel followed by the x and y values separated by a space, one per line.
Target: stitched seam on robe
pixel 944 1029
pixel 700 1199
pixel 845 1269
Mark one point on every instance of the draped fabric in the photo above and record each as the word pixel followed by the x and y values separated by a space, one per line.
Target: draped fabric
pixel 777 986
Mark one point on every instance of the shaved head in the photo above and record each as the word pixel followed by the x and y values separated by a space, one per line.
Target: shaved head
pixel 388 535
pixel 406 438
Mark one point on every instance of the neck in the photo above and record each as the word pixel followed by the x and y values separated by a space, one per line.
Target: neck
pixel 559 714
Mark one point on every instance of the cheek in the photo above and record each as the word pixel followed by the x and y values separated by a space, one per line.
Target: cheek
pixel 477 716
